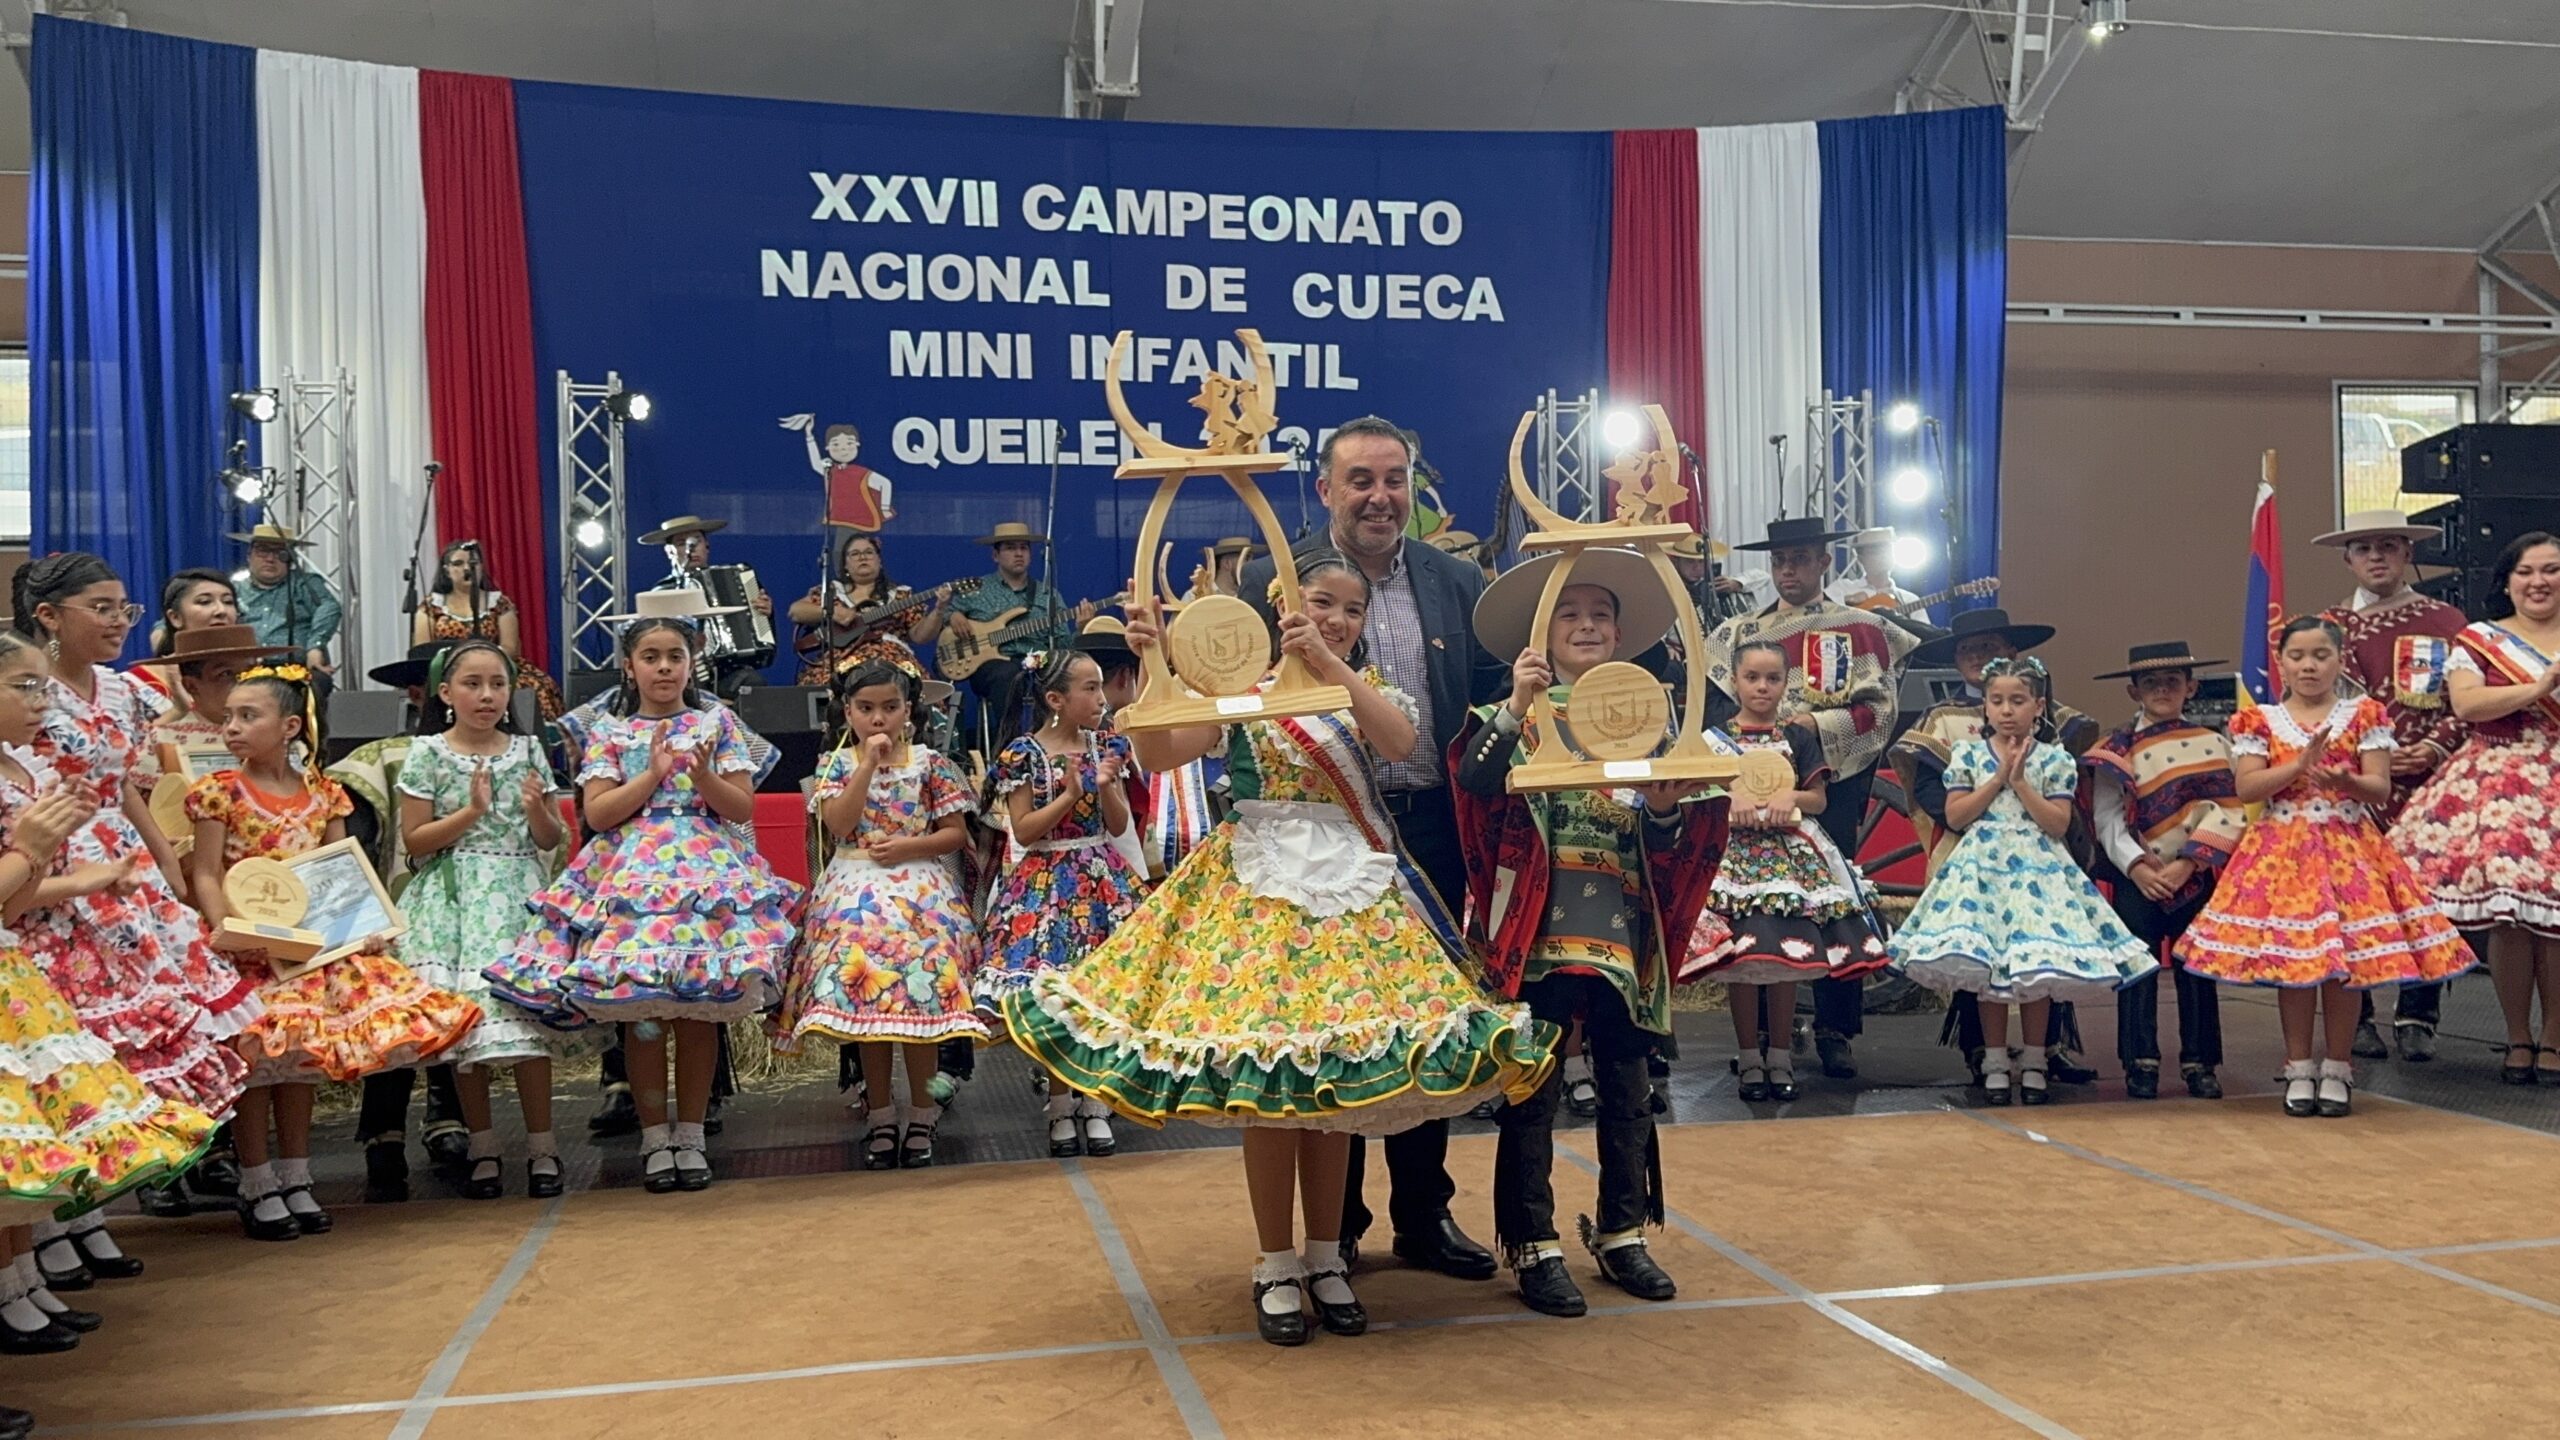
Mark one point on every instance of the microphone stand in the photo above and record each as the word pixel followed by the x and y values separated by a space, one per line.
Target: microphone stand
pixel 1298 464
pixel 1049 533
pixel 418 542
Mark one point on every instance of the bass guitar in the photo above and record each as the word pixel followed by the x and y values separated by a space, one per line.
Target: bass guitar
pixel 959 656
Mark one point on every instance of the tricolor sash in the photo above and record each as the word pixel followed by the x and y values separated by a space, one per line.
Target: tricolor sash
pixel 2512 660
pixel 1828 656
pixel 2417 671
pixel 1181 819
pixel 1333 749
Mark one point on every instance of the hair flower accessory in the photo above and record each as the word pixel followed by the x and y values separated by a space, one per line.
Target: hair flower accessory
pixel 296 674
pixel 1034 660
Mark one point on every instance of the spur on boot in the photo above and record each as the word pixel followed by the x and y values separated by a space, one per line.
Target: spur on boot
pixel 2301 1088
pixel 1627 1263
pixel 1546 1286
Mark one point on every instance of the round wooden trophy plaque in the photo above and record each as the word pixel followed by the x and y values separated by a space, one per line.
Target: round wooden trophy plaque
pixel 1766 775
pixel 1219 646
pixel 1618 711
pixel 266 891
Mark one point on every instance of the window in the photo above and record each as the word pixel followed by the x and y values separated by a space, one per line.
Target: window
pixel 2375 423
pixel 2542 409
pixel 14 410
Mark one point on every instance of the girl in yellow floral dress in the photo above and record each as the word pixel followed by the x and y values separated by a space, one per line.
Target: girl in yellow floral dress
pixel 1293 975
pixel 345 1020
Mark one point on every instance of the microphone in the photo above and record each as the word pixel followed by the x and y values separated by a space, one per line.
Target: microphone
pixel 239 451
pixel 434 468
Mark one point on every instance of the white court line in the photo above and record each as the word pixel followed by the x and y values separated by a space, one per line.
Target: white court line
pixel 2294 1222
pixel 1188 1400
pixel 441 1375
pixel 1931 1365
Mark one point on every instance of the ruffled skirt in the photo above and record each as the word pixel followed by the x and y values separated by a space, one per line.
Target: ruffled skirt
pixel 1047 911
pixel 351 1018
pixel 2306 901
pixel 464 907
pixel 2478 834
pixel 1222 1005
pixel 2010 918
pixel 884 955
pixel 1786 907
pixel 109 963
pixel 155 920
pixel 76 1127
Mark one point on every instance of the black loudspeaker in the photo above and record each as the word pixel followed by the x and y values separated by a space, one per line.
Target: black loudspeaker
pixel 2488 460
pixel 2477 529
pixel 585 685
pixel 358 716
pixel 795 718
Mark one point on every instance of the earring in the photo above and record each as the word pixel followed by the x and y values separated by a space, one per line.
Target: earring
pixel 53 648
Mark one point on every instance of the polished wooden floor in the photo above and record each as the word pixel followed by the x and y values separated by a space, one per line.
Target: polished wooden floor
pixel 2098 1269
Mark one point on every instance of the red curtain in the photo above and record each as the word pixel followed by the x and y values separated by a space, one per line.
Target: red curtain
pixel 1657 353
pixel 480 341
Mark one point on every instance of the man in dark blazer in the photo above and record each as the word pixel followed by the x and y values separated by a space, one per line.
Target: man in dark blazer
pixel 1421 634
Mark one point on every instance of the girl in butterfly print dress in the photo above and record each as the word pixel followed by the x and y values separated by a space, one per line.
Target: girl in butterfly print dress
pixel 886 943
pixel 2011 916
pixel 2313 900
pixel 666 916
pixel 2478 834
pixel 342 1021
pixel 1068 886
pixel 1785 906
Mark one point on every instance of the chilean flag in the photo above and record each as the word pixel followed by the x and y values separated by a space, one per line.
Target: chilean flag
pixel 2266 597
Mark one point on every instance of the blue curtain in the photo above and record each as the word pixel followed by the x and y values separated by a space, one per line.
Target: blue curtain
pixel 1915 285
pixel 143 273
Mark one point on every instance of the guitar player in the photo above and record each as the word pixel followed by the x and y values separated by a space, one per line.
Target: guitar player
pixel 1872 579
pixel 1007 589
pixel 835 633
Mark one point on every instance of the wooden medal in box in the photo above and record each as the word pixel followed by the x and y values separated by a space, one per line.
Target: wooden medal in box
pixel 306 911
pixel 1216 650
pixel 1618 715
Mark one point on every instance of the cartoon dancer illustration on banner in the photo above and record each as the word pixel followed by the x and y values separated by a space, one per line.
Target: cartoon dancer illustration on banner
pixel 857 496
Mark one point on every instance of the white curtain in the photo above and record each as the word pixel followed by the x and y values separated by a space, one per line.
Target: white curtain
pixel 1760 262
pixel 342 285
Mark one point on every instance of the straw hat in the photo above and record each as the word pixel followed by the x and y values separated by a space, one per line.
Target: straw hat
pixel 1453 541
pixel 1230 545
pixel 1509 606
pixel 2366 524
pixel 1697 547
pixel 1011 530
pixel 264 533
pixel 219 642
pixel 2169 655
pixel 668 530
pixel 679 602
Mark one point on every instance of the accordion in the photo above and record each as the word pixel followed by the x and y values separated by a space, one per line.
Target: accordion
pixel 743 639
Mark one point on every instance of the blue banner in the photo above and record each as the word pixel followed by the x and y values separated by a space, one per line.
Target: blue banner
pixel 918 305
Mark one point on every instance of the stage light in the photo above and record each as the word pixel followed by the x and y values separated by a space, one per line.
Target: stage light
pixel 627 405
pixel 1619 428
pixel 247 486
pixel 259 406
pixel 1910 552
pixel 1902 417
pixel 1909 485
pixel 590 533
pixel 2106 17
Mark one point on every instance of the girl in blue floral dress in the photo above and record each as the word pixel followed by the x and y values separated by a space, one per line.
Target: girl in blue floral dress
pixel 666 917
pixel 2009 916
pixel 888 939
pixel 1067 887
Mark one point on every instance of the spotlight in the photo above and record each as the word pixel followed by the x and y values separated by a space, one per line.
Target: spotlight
pixel 1910 552
pixel 1902 417
pixel 247 486
pixel 590 533
pixel 1620 428
pixel 258 406
pixel 1909 485
pixel 627 405
pixel 2105 17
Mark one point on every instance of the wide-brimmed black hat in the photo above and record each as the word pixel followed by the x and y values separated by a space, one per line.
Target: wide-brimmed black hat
pixel 2167 655
pixel 1798 530
pixel 401 674
pixel 1970 623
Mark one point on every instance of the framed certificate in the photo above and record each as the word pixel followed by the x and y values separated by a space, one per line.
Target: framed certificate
pixel 192 760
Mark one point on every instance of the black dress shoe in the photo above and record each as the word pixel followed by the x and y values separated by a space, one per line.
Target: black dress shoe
pixel 690 1178
pixel 476 1186
pixel 1486 1109
pixel 1582 1096
pixel 105 1267
pixel 16 1424
pixel 1347 1319
pixel 2063 1068
pixel 2368 1042
pixel 2142 1082
pixel 1447 1249
pixel 616 1116
pixel 1287 1328
pixel 2508 1071
pixel 1839 1062
pixel 1631 1268
pixel 311 1222
pixel 544 1184
pixel 216 1176
pixel 386 1172
pixel 658 1182
pixel 51 1340
pixel 2203 1084
pixel 81 1321
pixel 75 1278
pixel 161 1202
pixel 257 1229
pixel 1548 1288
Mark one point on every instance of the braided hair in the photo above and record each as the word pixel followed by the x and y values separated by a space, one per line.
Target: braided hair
pixel 291 685
pixel 2030 671
pixel 1043 673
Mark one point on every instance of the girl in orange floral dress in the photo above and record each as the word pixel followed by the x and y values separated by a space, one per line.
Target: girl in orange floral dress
pixel 2313 901
pixel 349 1018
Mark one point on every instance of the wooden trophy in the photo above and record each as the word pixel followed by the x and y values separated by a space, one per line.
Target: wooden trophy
pixel 1217 645
pixel 271 901
pixel 1615 722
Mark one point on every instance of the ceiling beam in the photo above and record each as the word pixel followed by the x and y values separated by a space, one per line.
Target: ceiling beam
pixel 2235 317
pixel 1102 59
pixel 2025 49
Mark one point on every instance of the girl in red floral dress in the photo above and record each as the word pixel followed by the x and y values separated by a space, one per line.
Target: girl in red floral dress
pixel 346 1019
pixel 2313 901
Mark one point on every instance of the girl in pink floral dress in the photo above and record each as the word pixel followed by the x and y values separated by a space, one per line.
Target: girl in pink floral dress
pixel 886 946
pixel 665 918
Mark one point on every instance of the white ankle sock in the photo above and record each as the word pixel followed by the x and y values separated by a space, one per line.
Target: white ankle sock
pixel 925 1114
pixel 21 1314
pixel 59 1254
pixel 656 1142
pixel 542 1148
pixel 1327 1255
pixel 258 1181
pixel 50 1230
pixel 90 1231
pixel 885 1115
pixel 1279 1265
pixel 1062 1104
pixel 688 1136
pixel 484 1145
pixel 294 1176
pixel 33 1279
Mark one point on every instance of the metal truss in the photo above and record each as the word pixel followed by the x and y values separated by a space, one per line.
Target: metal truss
pixel 313 490
pixel 1568 477
pixel 1101 71
pixel 2240 317
pixel 2015 54
pixel 2533 230
pixel 594 582
pixel 1839 460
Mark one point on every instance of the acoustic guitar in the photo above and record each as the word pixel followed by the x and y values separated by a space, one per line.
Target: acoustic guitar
pixel 1883 603
pixel 867 620
pixel 959 656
